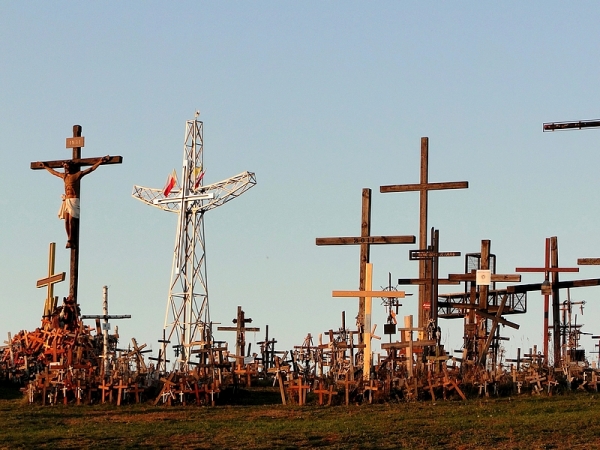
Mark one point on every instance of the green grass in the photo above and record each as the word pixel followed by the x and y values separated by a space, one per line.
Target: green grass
pixel 560 422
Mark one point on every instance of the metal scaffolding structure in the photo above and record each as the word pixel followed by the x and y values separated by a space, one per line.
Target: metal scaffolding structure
pixel 187 319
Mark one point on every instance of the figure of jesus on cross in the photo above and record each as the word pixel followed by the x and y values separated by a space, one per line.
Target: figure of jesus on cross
pixel 69 209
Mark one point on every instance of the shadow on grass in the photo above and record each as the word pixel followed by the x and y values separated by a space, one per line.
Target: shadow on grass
pixel 9 391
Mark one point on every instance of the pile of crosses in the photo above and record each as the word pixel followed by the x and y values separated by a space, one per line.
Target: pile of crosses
pixel 65 361
pixel 421 367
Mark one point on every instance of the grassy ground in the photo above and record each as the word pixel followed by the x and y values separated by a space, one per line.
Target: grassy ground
pixel 560 422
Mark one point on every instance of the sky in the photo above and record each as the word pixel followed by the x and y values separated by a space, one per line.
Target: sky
pixel 320 100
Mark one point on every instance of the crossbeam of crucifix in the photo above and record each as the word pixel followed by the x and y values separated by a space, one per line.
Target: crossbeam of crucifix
pixel 425 265
pixel 72 176
pixel 365 240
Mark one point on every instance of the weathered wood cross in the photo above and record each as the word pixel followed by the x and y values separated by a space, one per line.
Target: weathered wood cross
pixel 74 165
pixel 482 278
pixel 240 329
pixel 424 187
pixel 50 281
pixel 365 241
pixel 555 286
pixel 551 247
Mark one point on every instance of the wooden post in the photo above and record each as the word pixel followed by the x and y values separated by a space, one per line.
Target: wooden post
pixel 368 309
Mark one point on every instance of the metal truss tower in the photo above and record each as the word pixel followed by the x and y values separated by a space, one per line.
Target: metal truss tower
pixel 187 319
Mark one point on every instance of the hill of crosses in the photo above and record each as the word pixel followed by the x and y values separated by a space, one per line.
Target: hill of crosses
pixel 73 358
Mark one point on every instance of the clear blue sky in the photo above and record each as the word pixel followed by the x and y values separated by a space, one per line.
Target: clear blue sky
pixel 319 99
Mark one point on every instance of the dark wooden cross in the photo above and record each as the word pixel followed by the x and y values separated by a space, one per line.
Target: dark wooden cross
pixel 240 329
pixel 556 285
pixel 76 143
pixel 365 240
pixel 551 243
pixel 267 349
pixel 433 255
pixel 423 188
pixel 483 278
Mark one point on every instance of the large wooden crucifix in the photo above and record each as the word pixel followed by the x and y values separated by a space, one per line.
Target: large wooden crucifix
pixel 425 265
pixel 365 241
pixel 69 211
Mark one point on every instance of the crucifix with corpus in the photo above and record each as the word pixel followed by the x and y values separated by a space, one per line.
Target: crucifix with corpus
pixel 425 265
pixel 70 207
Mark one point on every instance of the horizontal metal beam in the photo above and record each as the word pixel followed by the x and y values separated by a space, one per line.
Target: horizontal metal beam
pixel 552 126
pixel 561 285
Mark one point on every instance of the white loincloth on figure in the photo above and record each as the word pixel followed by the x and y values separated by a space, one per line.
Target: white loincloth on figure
pixel 69 206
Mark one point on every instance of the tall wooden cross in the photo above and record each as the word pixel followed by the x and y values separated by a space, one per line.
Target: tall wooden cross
pixel 556 285
pixel 423 188
pixel 551 243
pixel 50 281
pixel 365 240
pixel 76 143
pixel 240 329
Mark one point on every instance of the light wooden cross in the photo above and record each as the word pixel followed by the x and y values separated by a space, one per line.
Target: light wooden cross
pixel 321 391
pixel 547 270
pixel 365 240
pixel 50 281
pixel 423 188
pixel 240 329
pixel 75 143
pixel 301 388
pixel 408 344
pixel 368 295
